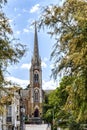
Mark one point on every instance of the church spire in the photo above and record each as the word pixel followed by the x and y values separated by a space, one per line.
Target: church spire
pixel 36 82
pixel 36 49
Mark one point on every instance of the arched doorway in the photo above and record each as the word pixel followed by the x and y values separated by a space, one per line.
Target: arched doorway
pixel 36 113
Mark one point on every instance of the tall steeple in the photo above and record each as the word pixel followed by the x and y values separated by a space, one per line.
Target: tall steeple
pixel 36 81
pixel 34 93
pixel 36 57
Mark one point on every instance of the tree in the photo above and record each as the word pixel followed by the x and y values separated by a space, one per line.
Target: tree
pixel 76 102
pixel 66 103
pixel 7 97
pixel 55 103
pixel 10 49
pixel 68 24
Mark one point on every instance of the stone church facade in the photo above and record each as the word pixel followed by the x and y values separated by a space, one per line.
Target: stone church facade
pixel 32 96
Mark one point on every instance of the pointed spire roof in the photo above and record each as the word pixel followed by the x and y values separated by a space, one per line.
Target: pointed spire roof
pixel 36 58
pixel 36 49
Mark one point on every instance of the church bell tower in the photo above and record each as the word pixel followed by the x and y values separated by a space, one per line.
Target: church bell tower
pixel 36 81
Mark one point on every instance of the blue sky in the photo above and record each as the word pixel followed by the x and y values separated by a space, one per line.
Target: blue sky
pixel 21 14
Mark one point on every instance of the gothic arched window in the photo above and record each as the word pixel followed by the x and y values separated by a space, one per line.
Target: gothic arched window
pixel 36 95
pixel 36 77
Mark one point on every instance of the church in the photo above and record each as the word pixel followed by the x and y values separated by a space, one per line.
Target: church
pixel 32 97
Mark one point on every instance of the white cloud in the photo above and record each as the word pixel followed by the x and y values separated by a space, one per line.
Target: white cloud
pixel 35 8
pixel 19 15
pixel 26 66
pixel 52 66
pixel 15 9
pixel 25 30
pixel 12 67
pixel 28 29
pixel 18 32
pixel 22 83
pixel 25 11
pixel 43 64
pixel 10 21
pixel 45 59
pixel 47 85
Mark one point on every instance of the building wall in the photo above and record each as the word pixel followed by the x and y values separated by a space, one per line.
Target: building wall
pixel 11 115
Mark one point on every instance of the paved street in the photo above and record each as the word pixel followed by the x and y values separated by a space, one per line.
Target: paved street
pixel 37 127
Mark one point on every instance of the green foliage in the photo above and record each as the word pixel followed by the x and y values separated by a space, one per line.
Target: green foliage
pixel 11 50
pixel 47 115
pixel 74 126
pixel 68 25
pixel 76 102
pixel 55 103
pixel 67 103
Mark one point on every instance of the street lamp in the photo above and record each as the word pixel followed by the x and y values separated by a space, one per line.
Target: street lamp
pixel 22 113
pixel 22 117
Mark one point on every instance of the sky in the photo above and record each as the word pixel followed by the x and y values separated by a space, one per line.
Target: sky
pixel 21 14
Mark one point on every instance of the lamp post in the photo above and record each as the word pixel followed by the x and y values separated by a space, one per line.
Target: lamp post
pixel 22 112
pixel 22 118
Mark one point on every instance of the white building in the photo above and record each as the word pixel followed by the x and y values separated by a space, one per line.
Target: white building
pixel 10 119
